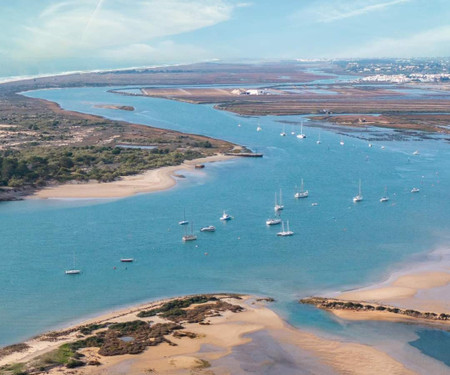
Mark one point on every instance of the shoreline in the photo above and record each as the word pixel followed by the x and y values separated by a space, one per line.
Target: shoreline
pixel 418 292
pixel 224 332
pixel 150 181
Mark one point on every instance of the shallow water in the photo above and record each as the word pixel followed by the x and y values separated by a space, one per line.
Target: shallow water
pixel 337 244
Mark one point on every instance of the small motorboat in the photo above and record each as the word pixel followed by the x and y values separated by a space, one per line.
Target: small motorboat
pixel 209 228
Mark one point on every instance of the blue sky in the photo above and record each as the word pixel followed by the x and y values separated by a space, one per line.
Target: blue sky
pixel 48 36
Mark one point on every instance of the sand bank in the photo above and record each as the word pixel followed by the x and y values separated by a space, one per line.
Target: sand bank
pixel 214 342
pixel 150 181
pixel 424 291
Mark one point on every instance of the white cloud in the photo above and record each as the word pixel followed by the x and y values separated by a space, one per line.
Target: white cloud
pixel 330 11
pixel 432 42
pixel 74 27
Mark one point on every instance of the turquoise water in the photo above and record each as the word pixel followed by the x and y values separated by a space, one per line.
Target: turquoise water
pixel 440 351
pixel 337 244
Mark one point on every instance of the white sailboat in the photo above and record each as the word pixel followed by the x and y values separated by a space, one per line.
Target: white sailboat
pixel 415 190
pixel 225 216
pixel 190 236
pixel 73 270
pixel 384 198
pixel 359 197
pixel 283 133
pixel 278 205
pixel 184 221
pixel 302 193
pixel 259 128
pixel 342 141
pixel 318 140
pixel 416 152
pixel 301 135
pixel 287 232
pixel 273 221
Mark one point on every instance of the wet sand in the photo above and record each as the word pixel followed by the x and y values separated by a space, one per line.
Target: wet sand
pixel 253 341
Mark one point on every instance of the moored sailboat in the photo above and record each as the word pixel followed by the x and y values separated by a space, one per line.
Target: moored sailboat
pixel 287 232
pixel 278 205
pixel 359 197
pixel 302 193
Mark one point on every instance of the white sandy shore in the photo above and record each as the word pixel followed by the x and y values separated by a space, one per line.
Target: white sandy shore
pixel 150 181
pixel 223 334
pixel 425 291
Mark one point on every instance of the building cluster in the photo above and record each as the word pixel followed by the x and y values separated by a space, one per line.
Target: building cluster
pixel 251 92
pixel 405 78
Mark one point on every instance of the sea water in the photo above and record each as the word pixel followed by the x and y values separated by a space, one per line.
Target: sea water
pixel 337 244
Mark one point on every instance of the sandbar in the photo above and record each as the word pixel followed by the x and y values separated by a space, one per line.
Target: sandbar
pixel 222 334
pixel 149 181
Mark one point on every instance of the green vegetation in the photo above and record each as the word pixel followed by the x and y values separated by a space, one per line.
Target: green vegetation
pixel 60 356
pixel 13 369
pixel 39 165
pixel 173 308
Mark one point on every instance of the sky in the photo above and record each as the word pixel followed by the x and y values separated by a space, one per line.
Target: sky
pixel 49 36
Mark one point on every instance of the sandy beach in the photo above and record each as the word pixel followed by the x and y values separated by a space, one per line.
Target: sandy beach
pixel 423 291
pixel 150 181
pixel 214 344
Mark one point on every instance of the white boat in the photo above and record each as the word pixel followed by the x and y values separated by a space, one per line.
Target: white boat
pixel 209 228
pixel 287 232
pixel 382 147
pixel 278 205
pixel 359 197
pixel 318 140
pixel 283 133
pixel 189 236
pixel 416 152
pixel 302 193
pixel 239 125
pixel 275 221
pixel 259 128
pixel 415 190
pixel 370 144
pixel 314 204
pixel 384 198
pixel 301 135
pixel 342 141
pixel 73 271
pixel 225 216
pixel 184 221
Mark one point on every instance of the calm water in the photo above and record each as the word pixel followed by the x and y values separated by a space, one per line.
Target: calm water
pixel 337 244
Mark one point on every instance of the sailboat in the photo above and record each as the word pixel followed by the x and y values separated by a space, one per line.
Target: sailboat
pixel 184 221
pixel 283 133
pixel 318 140
pixel 191 236
pixel 278 205
pixel 416 152
pixel 359 197
pixel 225 216
pixel 301 135
pixel 384 198
pixel 285 233
pixel 302 193
pixel 415 190
pixel 73 271
pixel 273 221
pixel 342 141
pixel 259 128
